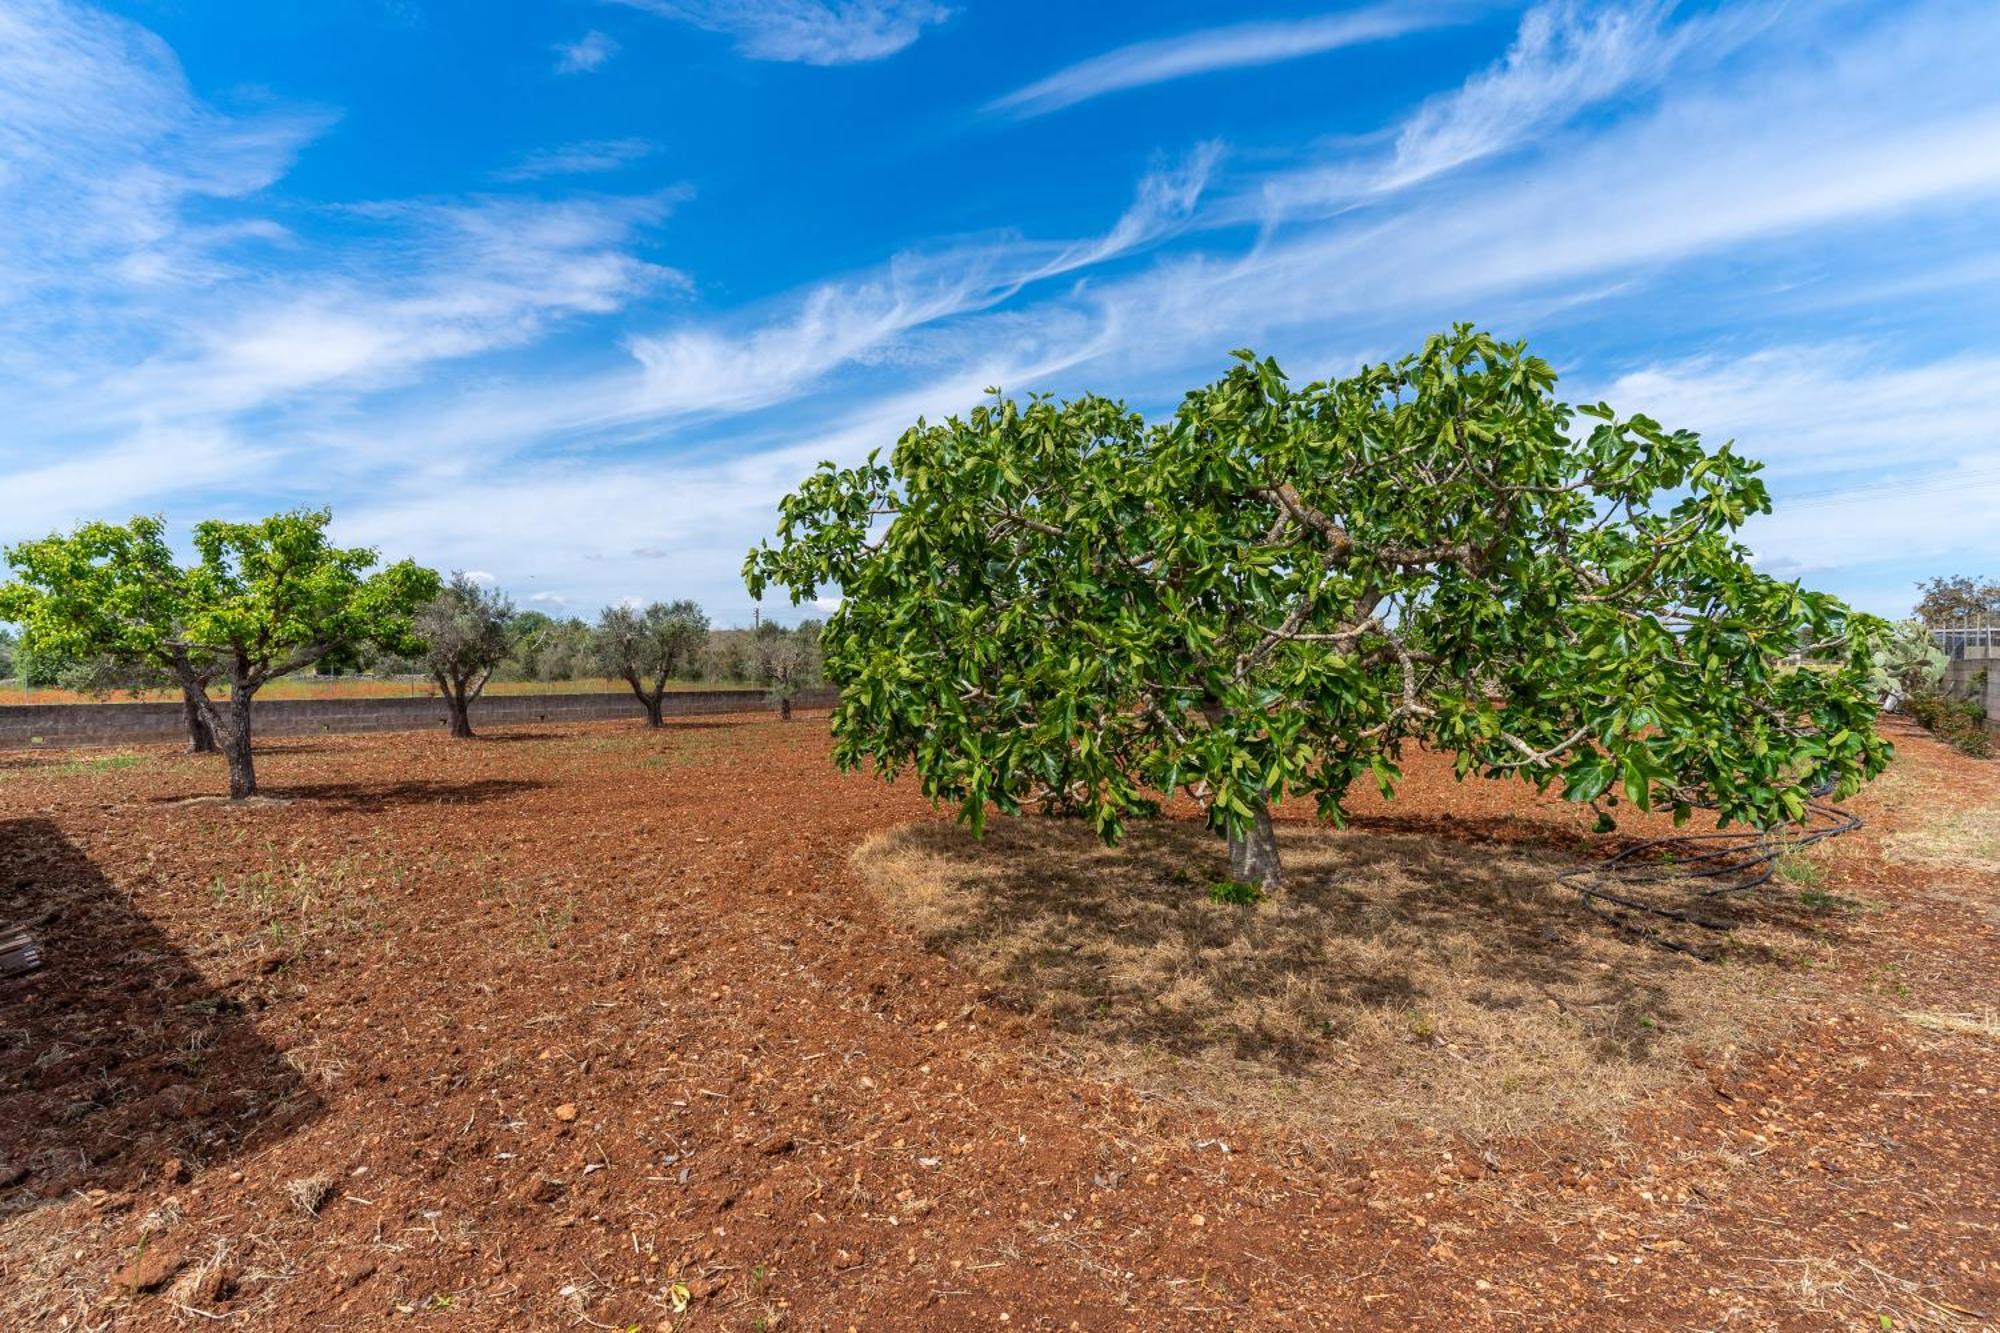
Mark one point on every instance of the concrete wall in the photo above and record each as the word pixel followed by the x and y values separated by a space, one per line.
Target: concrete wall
pixel 1961 678
pixel 114 723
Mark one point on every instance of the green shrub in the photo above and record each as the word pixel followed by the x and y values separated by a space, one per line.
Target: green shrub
pixel 1959 723
pixel 1235 892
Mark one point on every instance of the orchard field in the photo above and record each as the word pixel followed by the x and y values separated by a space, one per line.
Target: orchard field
pixel 603 1027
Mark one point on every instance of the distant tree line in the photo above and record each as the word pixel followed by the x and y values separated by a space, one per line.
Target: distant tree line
pixel 1958 599
pixel 109 609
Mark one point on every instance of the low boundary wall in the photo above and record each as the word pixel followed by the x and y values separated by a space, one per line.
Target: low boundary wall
pixel 61 725
pixel 1962 677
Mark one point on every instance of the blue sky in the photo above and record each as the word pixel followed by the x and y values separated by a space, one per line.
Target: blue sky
pixel 569 293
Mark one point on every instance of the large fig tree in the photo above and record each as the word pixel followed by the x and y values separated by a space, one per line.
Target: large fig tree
pixel 1276 591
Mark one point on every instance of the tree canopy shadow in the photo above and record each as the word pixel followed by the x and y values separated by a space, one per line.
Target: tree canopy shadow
pixel 372 796
pixel 116 1055
pixel 1383 949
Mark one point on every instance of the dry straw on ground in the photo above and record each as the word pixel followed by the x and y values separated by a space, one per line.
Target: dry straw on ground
pixel 1398 980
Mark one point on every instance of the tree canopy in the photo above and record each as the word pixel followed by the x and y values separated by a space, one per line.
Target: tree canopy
pixel 648 646
pixel 1958 599
pixel 1059 605
pixel 261 600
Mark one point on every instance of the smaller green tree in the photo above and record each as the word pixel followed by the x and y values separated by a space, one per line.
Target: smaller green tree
pixel 465 635
pixel 647 647
pixel 71 642
pixel 261 600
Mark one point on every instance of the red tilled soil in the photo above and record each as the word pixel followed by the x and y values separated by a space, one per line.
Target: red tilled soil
pixel 586 1027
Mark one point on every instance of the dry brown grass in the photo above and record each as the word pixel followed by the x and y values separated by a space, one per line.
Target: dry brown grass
pixel 1985 1025
pixel 1966 840
pixel 1399 979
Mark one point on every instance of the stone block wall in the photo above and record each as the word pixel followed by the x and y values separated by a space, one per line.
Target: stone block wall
pixel 61 725
pixel 1961 677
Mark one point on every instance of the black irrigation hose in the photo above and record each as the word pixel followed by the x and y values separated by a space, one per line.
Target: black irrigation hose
pixel 1736 860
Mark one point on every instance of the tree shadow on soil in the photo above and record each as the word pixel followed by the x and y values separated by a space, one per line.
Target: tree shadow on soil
pixel 370 796
pixel 116 1056
pixel 1385 949
pixel 634 731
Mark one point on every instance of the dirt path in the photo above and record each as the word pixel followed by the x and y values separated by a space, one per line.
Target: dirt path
pixel 592 1028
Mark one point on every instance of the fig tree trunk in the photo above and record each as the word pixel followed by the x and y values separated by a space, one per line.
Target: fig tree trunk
pixel 235 738
pixel 201 739
pixel 1253 855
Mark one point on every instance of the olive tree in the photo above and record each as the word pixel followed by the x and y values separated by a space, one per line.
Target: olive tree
pixel 785 661
pixel 261 600
pixel 646 647
pixel 1275 591
pixel 465 634
pixel 102 677
pixel 100 674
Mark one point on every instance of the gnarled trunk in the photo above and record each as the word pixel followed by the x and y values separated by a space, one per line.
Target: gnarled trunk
pixel 456 706
pixel 1253 855
pixel 649 699
pixel 785 709
pixel 201 737
pixel 235 738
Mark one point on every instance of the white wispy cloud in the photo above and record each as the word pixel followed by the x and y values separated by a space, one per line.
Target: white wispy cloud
pixel 461 279
pixel 1164 203
pixel 586 55
pixel 809 32
pixel 1821 137
pixel 146 306
pixel 1565 59
pixel 150 467
pixel 1238 46
pixel 701 368
pixel 1824 419
pixel 1819 413
pixel 103 150
pixel 698 514
pixel 578 159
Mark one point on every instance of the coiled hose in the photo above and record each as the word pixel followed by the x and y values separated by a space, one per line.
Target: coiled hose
pixel 1730 861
